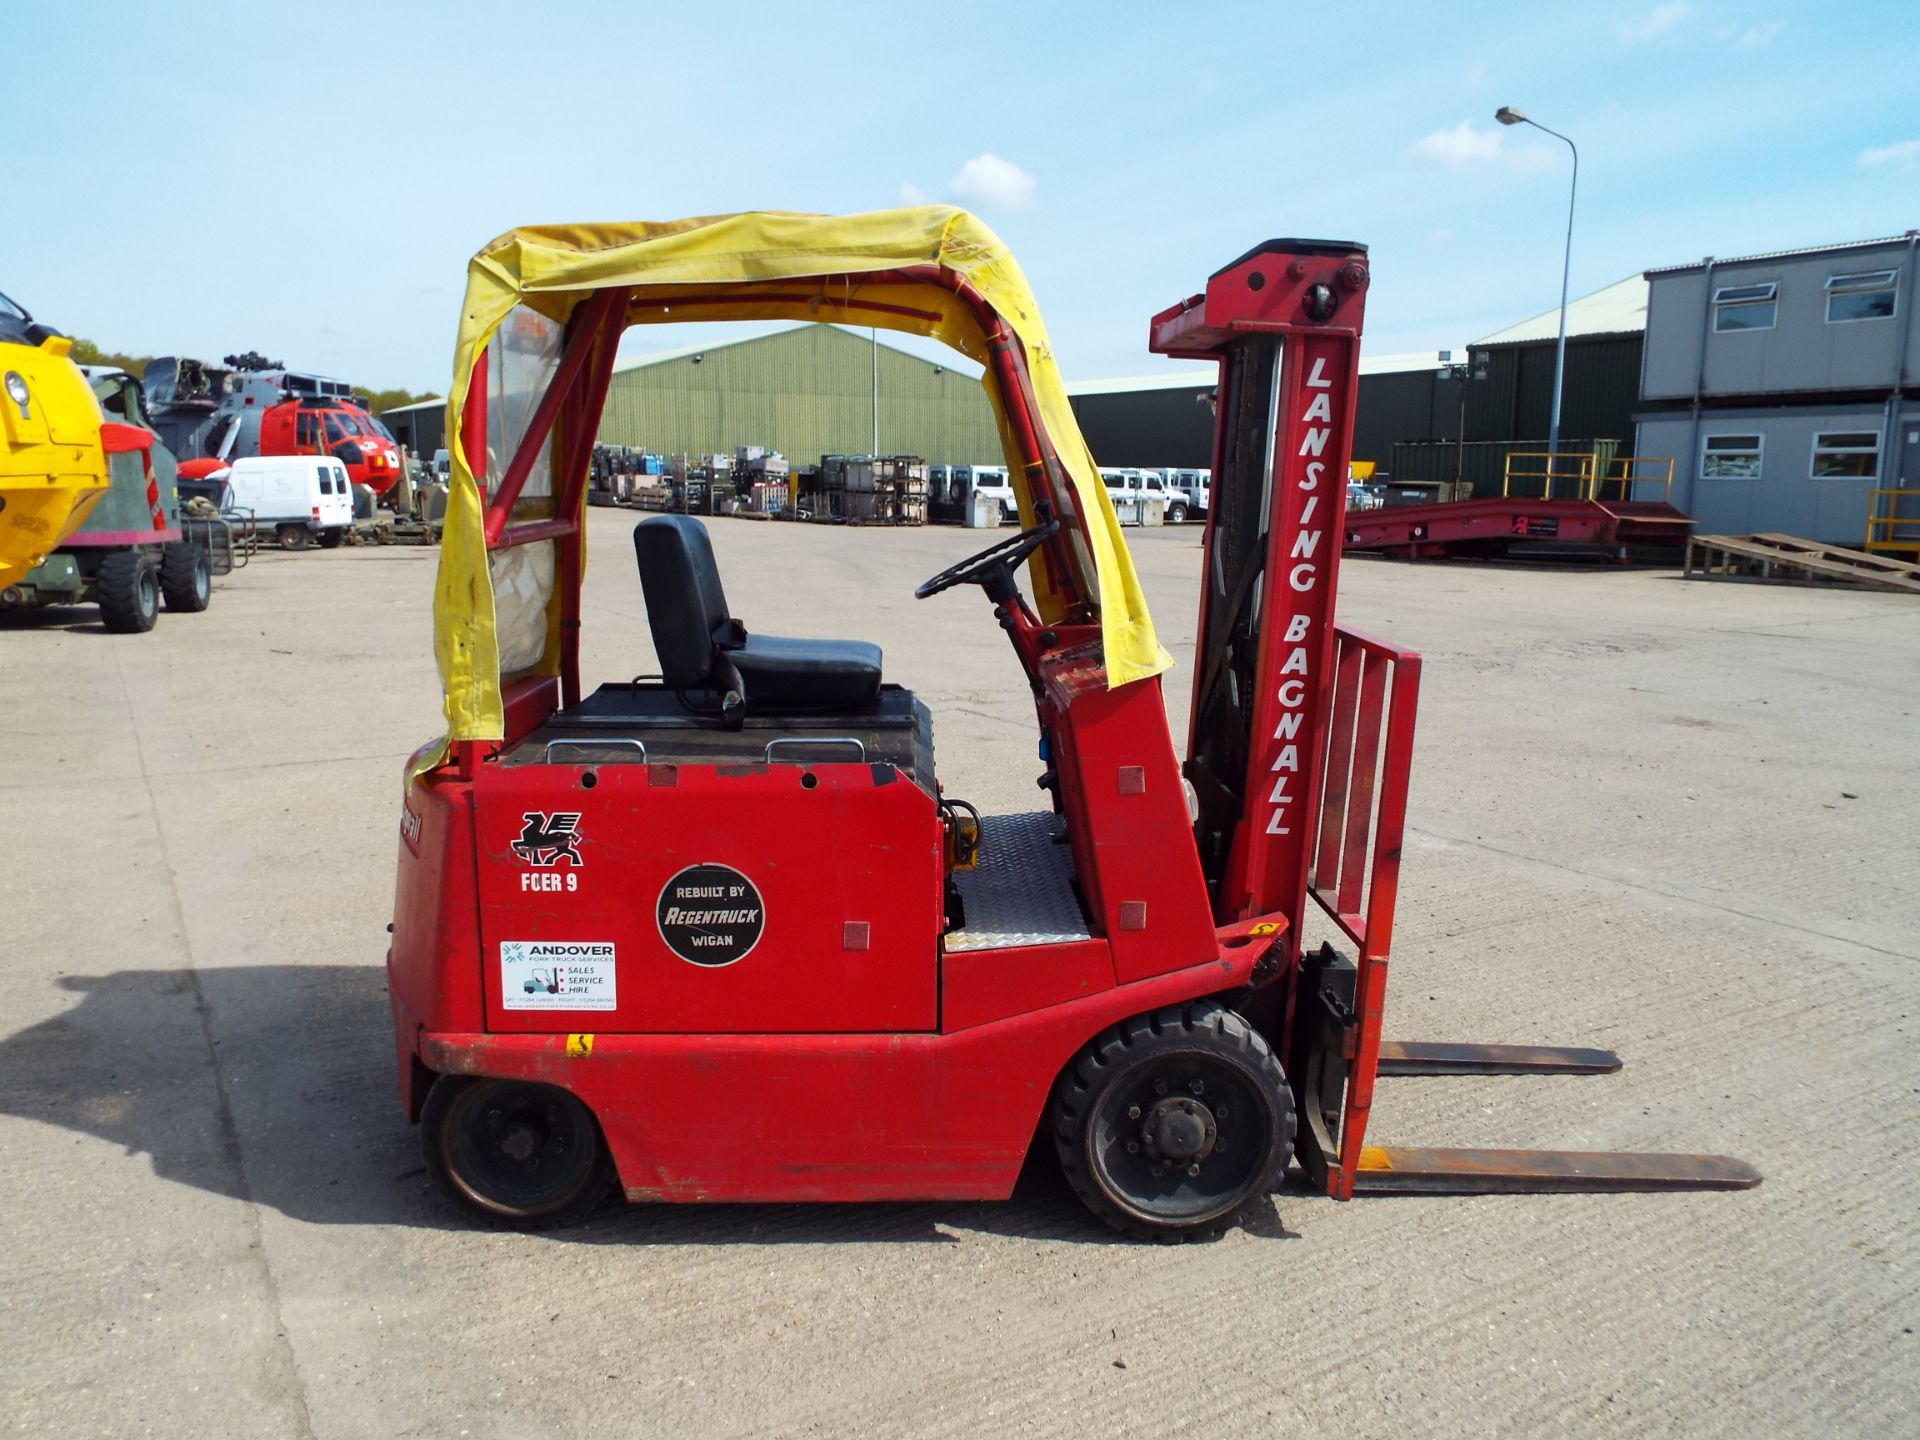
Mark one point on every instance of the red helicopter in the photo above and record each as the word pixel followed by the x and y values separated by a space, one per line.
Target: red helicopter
pixel 210 416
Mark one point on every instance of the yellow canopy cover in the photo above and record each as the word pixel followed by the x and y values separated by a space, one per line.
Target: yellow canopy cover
pixel 717 268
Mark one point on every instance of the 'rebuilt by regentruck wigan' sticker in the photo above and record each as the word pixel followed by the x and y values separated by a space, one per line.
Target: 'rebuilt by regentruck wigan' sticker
pixel 710 915
pixel 556 975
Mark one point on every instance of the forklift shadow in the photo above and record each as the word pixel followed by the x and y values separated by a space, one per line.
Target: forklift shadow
pixel 1042 1207
pixel 273 1085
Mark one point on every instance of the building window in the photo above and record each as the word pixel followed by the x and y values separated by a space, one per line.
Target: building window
pixel 1867 295
pixel 1745 307
pixel 1730 457
pixel 1846 454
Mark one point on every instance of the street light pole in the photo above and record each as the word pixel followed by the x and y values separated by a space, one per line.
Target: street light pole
pixel 1507 115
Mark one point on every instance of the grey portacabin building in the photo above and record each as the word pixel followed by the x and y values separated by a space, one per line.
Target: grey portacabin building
pixel 1783 386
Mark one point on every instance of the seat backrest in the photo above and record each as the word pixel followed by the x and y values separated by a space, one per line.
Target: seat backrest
pixel 686 607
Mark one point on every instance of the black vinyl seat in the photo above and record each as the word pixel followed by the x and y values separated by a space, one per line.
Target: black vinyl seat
pixel 705 651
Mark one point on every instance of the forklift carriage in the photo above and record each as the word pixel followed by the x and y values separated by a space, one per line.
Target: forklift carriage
pixel 722 936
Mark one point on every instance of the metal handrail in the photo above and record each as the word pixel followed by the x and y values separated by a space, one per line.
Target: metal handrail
pixel 1629 465
pixel 590 742
pixel 1581 474
pixel 1589 472
pixel 773 745
pixel 1893 522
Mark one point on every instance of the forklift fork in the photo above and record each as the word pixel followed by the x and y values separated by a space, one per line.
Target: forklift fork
pixel 1420 1170
pixel 1326 1047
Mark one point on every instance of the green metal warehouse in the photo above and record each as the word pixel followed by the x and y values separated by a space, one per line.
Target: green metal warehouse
pixel 807 391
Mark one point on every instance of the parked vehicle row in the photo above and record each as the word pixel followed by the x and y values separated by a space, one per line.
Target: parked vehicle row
pixel 1183 494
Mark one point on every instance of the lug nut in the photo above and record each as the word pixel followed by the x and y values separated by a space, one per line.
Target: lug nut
pixel 1220 1111
pixel 1159 1087
pixel 1198 1087
pixel 1133 1112
pixel 1193 1169
pixel 1133 1147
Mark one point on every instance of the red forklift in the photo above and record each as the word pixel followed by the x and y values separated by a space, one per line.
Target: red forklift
pixel 721 935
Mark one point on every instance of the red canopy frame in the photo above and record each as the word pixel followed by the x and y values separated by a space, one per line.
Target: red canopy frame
pixel 576 395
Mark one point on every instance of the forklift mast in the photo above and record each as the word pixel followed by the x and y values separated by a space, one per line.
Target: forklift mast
pixel 1283 323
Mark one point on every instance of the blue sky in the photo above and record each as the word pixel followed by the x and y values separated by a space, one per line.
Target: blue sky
pixel 309 181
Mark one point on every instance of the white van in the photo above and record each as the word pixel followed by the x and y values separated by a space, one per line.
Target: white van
pixel 1129 489
pixel 1189 493
pixel 296 498
pixel 971 480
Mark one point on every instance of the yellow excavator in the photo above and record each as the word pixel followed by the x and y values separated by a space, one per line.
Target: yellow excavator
pixel 53 466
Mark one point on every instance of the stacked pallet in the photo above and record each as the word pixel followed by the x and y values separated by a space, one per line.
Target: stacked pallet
pixel 873 490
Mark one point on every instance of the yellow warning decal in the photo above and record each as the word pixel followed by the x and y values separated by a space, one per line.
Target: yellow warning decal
pixel 1265 927
pixel 1372 1157
pixel 579 1046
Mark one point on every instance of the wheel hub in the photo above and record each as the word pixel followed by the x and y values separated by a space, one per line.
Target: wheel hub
pixel 1179 1130
pixel 520 1143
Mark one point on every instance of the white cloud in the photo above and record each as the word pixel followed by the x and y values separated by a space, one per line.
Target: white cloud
pixel 1749 37
pixel 1462 145
pixel 1903 156
pixel 1659 21
pixel 993 184
pixel 1465 145
pixel 912 194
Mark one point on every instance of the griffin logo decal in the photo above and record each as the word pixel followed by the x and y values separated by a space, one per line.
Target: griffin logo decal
pixel 547 840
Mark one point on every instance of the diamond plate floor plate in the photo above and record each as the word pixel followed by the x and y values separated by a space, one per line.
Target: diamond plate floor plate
pixel 1022 893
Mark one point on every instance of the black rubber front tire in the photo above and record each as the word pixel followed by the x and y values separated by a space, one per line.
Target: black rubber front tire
pixel 514 1154
pixel 1197 1069
pixel 128 593
pixel 186 577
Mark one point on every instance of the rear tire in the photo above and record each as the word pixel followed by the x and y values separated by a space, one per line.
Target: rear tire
pixel 186 577
pixel 128 593
pixel 1171 1125
pixel 331 539
pixel 514 1154
pixel 293 537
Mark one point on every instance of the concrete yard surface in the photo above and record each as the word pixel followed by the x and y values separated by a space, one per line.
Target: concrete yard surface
pixel 1674 819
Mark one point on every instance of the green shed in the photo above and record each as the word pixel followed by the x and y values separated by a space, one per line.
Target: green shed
pixel 804 391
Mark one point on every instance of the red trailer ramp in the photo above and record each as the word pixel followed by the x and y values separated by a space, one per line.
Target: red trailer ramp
pixel 1547 501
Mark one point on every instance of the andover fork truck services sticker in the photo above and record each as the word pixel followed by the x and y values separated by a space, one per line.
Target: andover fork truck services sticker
pixel 556 975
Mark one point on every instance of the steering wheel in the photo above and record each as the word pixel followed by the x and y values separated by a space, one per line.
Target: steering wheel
pixel 978 569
